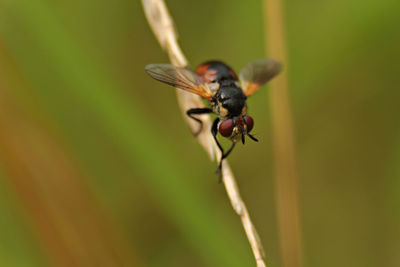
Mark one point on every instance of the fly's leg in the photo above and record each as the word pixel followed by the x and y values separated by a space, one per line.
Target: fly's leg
pixel 198 111
pixel 214 131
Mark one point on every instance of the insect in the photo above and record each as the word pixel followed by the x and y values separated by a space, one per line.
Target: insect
pixel 219 84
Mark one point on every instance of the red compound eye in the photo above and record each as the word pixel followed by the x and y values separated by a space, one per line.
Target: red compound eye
pixel 249 122
pixel 226 128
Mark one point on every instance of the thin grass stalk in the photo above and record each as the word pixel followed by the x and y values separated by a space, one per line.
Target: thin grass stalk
pixel 163 28
pixel 283 140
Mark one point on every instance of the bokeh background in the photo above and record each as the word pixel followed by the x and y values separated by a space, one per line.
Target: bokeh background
pixel 97 167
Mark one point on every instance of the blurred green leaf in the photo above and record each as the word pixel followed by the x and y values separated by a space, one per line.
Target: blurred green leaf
pixel 18 247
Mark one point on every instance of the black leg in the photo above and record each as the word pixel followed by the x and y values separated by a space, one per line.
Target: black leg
pixel 229 151
pixel 214 131
pixel 198 111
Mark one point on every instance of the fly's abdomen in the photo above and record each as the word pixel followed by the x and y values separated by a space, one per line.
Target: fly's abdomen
pixel 215 71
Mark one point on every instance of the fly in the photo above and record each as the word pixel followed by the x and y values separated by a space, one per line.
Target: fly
pixel 219 84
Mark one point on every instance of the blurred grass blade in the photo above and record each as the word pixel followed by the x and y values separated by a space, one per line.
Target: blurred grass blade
pixel 283 140
pixel 63 213
pixel 18 246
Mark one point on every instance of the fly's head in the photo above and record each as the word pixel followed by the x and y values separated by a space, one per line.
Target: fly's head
pixel 237 128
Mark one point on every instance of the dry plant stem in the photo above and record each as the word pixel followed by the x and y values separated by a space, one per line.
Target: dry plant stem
pixel 163 27
pixel 283 141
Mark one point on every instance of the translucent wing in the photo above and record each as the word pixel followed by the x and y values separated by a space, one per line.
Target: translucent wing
pixel 257 73
pixel 179 77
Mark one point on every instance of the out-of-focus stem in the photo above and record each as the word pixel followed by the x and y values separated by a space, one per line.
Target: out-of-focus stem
pixel 283 140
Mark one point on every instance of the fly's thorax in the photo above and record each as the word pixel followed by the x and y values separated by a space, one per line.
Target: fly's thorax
pixel 224 113
pixel 230 100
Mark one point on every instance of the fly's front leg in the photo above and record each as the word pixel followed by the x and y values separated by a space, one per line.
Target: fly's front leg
pixel 214 131
pixel 198 111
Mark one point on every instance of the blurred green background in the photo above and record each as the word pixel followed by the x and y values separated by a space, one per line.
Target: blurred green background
pixel 97 167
